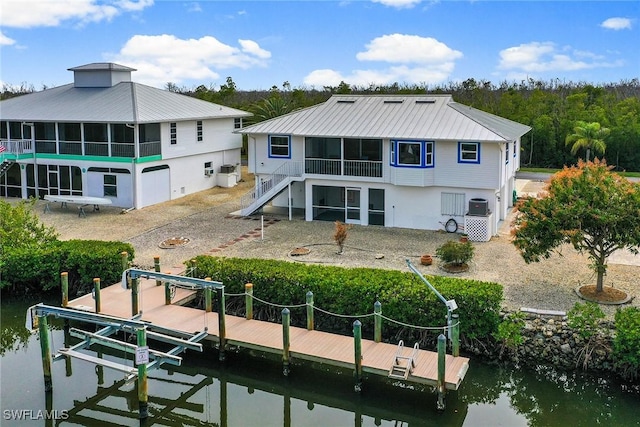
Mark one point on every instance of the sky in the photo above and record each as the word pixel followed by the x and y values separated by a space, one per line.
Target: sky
pixel 313 44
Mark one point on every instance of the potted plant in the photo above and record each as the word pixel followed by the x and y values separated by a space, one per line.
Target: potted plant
pixel 464 238
pixel 426 259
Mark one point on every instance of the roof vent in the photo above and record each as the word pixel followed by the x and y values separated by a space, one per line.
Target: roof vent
pixel 425 101
pixel 393 101
pixel 346 101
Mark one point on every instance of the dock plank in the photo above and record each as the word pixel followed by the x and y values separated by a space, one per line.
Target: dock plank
pixel 317 346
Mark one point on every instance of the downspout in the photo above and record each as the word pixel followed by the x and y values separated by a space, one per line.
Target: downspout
pixel 136 146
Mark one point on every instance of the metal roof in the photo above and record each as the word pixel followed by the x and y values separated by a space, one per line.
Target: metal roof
pixel 125 102
pixel 393 116
pixel 101 66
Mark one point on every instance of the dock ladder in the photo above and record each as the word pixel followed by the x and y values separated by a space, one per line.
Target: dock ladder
pixel 403 365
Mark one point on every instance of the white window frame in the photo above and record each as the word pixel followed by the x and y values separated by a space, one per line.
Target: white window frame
pixel 281 141
pixel 464 148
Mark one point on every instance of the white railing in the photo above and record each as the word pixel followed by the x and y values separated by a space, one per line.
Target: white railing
pixel 323 166
pixel 16 146
pixel 286 170
pixel 366 168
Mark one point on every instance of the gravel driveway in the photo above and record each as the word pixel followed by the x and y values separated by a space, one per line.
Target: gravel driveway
pixel 204 219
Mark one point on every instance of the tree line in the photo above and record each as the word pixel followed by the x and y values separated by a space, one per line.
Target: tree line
pixel 552 108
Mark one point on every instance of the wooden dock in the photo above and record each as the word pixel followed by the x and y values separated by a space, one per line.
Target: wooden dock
pixel 310 345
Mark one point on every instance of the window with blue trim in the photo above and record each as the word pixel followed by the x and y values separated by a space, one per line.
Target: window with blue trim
pixel 515 144
pixel 413 154
pixel 468 152
pixel 507 151
pixel 280 146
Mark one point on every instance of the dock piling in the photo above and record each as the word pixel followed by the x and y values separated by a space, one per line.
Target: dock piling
pixel 124 257
pixel 377 327
pixel 135 301
pixel 440 389
pixel 221 324
pixel 64 279
pixel 143 386
pixel 96 294
pixel 208 297
pixel 286 342
pixel 248 300
pixel 45 346
pixel 357 345
pixel 310 320
pixel 455 335
pixel 156 267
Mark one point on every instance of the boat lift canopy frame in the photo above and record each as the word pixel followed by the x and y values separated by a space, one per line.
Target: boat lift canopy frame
pixel 190 282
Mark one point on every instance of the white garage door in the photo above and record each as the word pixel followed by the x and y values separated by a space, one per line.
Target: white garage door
pixel 155 185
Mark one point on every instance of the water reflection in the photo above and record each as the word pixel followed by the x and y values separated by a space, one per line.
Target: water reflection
pixel 251 391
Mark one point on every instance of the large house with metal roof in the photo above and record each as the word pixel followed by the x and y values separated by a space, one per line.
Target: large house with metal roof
pixel 106 136
pixel 410 161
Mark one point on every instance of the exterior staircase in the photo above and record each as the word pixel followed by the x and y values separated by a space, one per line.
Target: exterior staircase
pixel 5 165
pixel 269 188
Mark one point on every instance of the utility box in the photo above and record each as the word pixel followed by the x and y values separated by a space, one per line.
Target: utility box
pixel 227 168
pixel 478 207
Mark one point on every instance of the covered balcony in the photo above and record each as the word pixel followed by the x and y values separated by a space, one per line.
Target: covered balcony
pixel 343 156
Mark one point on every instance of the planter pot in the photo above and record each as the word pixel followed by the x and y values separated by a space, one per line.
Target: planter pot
pixel 464 238
pixel 426 260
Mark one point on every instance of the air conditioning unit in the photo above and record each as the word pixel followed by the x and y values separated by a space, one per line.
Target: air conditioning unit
pixel 227 168
pixel 478 207
pixel 209 172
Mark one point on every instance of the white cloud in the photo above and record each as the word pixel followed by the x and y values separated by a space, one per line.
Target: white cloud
pixel 617 24
pixel 412 60
pixel 404 48
pixel 194 7
pixel 51 13
pixel 537 57
pixel 165 58
pixel 6 41
pixel 252 48
pixel 400 4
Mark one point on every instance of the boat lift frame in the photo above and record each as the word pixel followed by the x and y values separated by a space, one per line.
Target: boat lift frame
pixel 146 358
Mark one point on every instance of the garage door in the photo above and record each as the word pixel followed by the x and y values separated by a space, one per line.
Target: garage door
pixel 155 186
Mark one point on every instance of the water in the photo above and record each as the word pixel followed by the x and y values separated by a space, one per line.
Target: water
pixel 251 391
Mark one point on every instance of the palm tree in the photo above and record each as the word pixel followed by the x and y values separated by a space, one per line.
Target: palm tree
pixel 269 108
pixel 589 136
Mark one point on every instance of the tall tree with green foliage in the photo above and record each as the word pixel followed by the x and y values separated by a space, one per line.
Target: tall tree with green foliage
pixel 587 206
pixel 589 136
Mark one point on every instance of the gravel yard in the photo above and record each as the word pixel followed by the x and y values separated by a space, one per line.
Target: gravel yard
pixel 204 220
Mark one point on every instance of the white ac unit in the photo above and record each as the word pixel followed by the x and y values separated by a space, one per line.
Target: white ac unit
pixel 209 172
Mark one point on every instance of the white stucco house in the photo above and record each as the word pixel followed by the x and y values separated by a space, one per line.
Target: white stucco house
pixel 106 136
pixel 410 161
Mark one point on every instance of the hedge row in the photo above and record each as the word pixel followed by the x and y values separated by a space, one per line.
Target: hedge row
pixel 353 291
pixel 33 270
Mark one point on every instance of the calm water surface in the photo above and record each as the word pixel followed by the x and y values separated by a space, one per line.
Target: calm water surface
pixel 249 391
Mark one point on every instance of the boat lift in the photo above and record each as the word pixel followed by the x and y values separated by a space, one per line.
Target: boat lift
pixel 145 357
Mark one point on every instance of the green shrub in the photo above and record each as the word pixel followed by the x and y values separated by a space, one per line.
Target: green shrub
pixel 455 253
pixel 353 291
pixel 626 344
pixel 85 260
pixel 37 269
pixel 585 318
pixel 509 332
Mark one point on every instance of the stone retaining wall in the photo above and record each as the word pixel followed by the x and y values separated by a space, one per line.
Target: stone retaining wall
pixel 549 340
